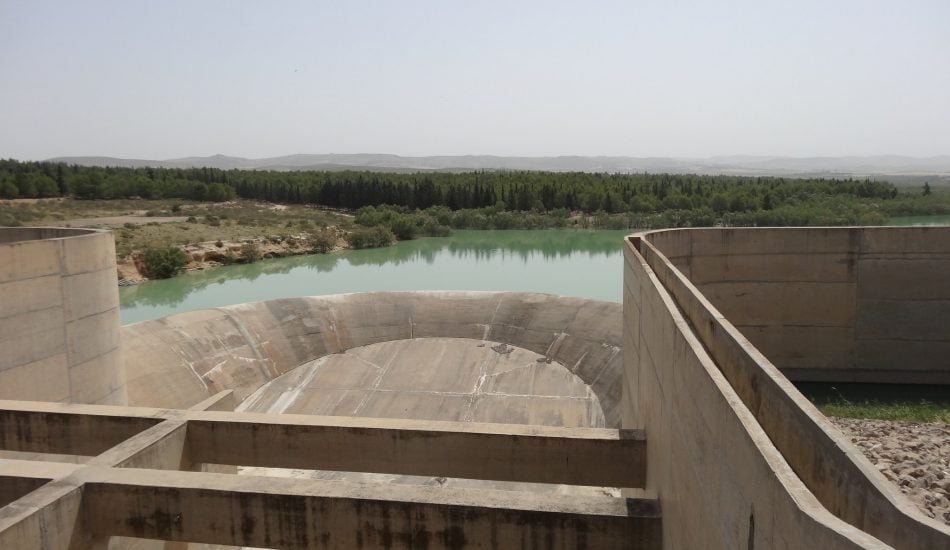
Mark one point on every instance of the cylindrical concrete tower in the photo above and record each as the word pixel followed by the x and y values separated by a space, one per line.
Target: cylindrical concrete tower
pixel 59 316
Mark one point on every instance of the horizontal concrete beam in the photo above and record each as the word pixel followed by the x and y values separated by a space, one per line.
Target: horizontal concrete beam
pixel 59 429
pixel 121 499
pixel 45 519
pixel 12 488
pixel 19 477
pixel 294 513
pixel 161 447
pixel 501 452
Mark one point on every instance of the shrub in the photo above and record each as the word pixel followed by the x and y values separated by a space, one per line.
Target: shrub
pixel 404 227
pixel 164 262
pixel 250 252
pixel 373 237
pixel 323 241
pixel 219 244
pixel 432 228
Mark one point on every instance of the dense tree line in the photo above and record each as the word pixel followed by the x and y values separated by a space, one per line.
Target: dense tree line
pixel 501 191
pixel 46 179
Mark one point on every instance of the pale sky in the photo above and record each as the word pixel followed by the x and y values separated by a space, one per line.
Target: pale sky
pixel 157 80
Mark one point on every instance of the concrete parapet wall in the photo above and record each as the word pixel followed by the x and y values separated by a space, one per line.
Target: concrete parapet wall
pixel 182 359
pixel 59 316
pixel 738 408
pixel 721 481
pixel 852 304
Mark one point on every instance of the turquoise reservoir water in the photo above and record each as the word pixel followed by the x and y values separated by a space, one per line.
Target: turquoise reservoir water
pixel 586 264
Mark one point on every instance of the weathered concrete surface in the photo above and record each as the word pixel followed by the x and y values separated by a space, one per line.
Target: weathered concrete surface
pixel 135 489
pixel 860 304
pixel 19 477
pixel 721 481
pixel 46 428
pixel 505 452
pixel 283 513
pixel 785 442
pixel 59 316
pixel 456 379
pixel 181 359
pixel 117 435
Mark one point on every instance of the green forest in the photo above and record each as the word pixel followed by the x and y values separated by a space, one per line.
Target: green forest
pixel 501 199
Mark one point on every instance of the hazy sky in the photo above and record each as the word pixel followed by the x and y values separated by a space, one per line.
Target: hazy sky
pixel 642 78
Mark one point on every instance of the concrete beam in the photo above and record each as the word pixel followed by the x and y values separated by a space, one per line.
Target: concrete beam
pixel 135 489
pixel 19 477
pixel 46 518
pixel 163 447
pixel 64 429
pixel 286 513
pixel 501 452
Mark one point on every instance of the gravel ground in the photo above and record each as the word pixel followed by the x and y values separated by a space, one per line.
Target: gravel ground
pixel 914 456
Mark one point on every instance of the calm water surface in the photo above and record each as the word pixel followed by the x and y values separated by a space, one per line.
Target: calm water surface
pixel 587 264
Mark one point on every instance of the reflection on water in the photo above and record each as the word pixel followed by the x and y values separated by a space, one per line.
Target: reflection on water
pixel 568 262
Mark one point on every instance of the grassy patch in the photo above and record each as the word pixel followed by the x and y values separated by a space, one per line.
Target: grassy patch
pixel 905 402
pixel 924 411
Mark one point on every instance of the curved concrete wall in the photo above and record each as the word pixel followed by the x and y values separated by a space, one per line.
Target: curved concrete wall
pixel 451 379
pixel 721 397
pixel 59 316
pixel 180 360
pixel 844 304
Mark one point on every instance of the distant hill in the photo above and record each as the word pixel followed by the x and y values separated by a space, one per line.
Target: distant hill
pixel 883 165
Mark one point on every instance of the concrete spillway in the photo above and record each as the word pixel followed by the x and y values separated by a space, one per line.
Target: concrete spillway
pixel 455 379
pixel 502 357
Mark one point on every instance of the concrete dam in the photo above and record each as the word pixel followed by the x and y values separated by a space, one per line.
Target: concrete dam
pixel 471 419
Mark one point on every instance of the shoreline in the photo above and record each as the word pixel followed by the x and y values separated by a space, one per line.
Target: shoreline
pixel 130 268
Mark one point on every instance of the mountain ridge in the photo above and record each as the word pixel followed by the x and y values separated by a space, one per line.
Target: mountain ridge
pixel 727 164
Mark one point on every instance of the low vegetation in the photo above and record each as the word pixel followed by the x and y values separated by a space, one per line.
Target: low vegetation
pixel 920 411
pixel 502 199
pixel 250 252
pixel 233 221
pixel 910 403
pixel 164 262
pixel 181 207
pixel 370 237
